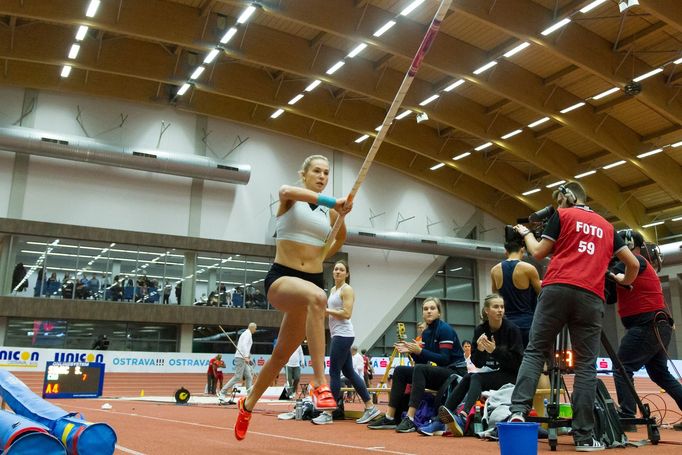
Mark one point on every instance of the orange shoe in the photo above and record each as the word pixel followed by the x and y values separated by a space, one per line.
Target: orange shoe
pixel 243 419
pixel 323 399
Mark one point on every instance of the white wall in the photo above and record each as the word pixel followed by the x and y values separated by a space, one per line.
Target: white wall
pixel 93 195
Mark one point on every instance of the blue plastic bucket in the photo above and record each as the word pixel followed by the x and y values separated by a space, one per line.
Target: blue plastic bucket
pixel 518 438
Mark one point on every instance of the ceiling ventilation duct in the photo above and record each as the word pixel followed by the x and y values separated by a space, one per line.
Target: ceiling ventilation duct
pixel 452 246
pixel 86 150
pixel 672 253
pixel 427 244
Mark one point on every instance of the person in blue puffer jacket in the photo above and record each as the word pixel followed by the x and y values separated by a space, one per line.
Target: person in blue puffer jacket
pixel 439 345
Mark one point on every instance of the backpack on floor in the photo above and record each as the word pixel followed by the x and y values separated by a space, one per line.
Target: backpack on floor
pixel 607 426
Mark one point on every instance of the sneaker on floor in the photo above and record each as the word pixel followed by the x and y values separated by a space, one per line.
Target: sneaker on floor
pixel 287 416
pixel 453 426
pixel 323 419
pixel 243 419
pixel 383 424
pixel 516 417
pixel 455 423
pixel 589 446
pixel 323 400
pixel 369 415
pixel 433 428
pixel 406 426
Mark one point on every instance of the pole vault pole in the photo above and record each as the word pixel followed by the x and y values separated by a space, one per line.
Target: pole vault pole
pixel 424 47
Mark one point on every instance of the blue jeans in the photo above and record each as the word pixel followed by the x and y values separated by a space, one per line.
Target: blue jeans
pixel 341 360
pixel 640 348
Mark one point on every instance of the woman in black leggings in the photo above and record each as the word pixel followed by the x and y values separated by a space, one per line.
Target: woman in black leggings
pixel 497 350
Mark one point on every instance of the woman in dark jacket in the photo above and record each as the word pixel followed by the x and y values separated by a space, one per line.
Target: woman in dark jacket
pixel 496 351
pixel 439 344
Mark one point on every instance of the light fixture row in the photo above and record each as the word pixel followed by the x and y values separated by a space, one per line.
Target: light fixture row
pixel 213 53
pixel 605 167
pixel 549 30
pixel 82 31
pixel 354 53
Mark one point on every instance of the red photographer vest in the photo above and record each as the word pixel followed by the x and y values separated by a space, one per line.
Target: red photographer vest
pixel 646 294
pixel 582 252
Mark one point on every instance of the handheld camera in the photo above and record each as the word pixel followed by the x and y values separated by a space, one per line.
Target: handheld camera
pixel 538 219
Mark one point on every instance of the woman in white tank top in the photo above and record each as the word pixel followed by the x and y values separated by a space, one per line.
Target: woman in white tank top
pixel 294 285
pixel 340 308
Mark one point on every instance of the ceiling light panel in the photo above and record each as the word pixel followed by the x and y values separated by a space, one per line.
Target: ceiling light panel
pixel 553 28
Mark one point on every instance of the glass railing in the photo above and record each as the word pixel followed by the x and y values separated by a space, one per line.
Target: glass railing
pixel 90 270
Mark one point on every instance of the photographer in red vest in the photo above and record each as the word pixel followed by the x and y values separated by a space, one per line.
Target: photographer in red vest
pixel 581 243
pixel 649 327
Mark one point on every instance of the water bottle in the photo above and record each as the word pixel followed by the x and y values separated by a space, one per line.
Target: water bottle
pixel 478 420
pixel 298 410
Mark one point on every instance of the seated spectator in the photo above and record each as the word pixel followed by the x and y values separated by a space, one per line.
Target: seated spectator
pixel 497 351
pixel 213 299
pixel 82 291
pixel 440 345
pixel 129 290
pixel 116 290
pixel 67 286
pixel 238 298
pixel 466 347
pixel 259 300
pixel 53 285
pixel 225 297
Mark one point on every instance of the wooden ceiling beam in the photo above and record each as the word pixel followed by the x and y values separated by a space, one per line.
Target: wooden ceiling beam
pixel 341 21
pixel 668 11
pixel 632 39
pixel 556 77
pixel 638 185
pixel 526 18
pixel 294 55
pixel 660 133
pixel 656 209
pixel 607 106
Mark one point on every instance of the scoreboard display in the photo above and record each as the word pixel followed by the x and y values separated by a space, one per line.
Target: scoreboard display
pixel 73 380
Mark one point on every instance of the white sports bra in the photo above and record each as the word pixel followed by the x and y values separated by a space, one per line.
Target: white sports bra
pixel 302 224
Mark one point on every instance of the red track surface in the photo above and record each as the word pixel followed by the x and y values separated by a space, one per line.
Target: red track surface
pixel 168 429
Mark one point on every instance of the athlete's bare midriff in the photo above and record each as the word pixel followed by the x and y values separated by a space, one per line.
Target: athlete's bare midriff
pixel 299 256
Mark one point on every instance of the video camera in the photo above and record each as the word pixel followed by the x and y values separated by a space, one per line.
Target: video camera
pixel 539 219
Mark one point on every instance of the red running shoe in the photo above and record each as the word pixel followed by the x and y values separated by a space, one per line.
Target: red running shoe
pixel 243 419
pixel 323 399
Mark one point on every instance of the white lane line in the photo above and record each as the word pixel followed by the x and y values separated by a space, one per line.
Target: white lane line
pixel 126 450
pixel 276 436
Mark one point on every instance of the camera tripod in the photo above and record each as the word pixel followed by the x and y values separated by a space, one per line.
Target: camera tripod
pixel 562 363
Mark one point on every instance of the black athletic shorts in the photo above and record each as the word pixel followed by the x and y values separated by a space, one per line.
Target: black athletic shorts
pixel 279 270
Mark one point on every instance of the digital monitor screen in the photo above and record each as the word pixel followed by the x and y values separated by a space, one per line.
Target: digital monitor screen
pixel 73 380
